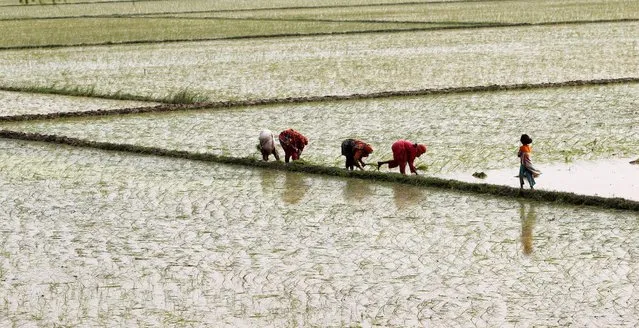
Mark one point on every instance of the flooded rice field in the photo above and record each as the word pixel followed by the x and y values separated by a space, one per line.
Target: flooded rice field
pixel 158 29
pixel 456 12
pixel 100 238
pixel 338 64
pixel 96 238
pixel 112 7
pixel 464 132
pixel 20 103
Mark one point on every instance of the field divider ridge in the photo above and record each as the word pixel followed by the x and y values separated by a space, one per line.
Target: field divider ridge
pixel 169 107
pixel 305 167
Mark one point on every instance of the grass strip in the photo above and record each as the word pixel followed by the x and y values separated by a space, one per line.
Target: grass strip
pixel 304 167
pixel 185 100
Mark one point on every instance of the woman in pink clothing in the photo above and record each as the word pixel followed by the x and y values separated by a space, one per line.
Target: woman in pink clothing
pixel 404 152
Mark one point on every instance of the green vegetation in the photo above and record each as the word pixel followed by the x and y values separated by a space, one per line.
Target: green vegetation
pixel 108 30
pixel 470 13
pixel 184 96
pixel 162 21
pixel 522 11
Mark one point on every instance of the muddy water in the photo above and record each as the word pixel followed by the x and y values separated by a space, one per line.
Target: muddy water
pixel 464 132
pixel 337 65
pixel 97 238
pixel 19 103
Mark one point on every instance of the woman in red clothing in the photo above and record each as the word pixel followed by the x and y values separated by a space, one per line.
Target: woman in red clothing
pixel 404 151
pixel 355 151
pixel 293 144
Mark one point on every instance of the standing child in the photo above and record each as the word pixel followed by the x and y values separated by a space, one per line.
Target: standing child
pixel 526 168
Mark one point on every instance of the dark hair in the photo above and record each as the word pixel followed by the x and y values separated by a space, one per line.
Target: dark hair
pixel 525 139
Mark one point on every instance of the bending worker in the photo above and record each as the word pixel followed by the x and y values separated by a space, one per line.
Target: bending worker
pixel 404 152
pixel 355 151
pixel 267 145
pixel 293 144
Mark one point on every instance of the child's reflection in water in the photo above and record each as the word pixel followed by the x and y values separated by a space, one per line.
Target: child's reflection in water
pixel 528 219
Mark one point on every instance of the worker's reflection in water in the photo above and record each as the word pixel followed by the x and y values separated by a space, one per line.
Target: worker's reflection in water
pixel 406 195
pixel 528 219
pixel 269 179
pixel 357 190
pixel 295 187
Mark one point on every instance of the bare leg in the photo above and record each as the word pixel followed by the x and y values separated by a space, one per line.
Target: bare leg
pixel 379 164
pixel 402 168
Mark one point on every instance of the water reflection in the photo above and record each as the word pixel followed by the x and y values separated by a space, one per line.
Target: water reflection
pixel 269 179
pixel 357 190
pixel 295 187
pixel 528 219
pixel 405 195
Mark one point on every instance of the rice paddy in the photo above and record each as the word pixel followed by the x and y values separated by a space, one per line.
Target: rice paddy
pixel 335 65
pixel 21 103
pixel 606 129
pixel 103 238
pixel 133 195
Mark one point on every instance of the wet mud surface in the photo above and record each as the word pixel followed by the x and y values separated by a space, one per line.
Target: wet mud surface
pixel 102 238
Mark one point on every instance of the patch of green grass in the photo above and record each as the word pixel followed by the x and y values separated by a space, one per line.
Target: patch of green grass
pixel 184 96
